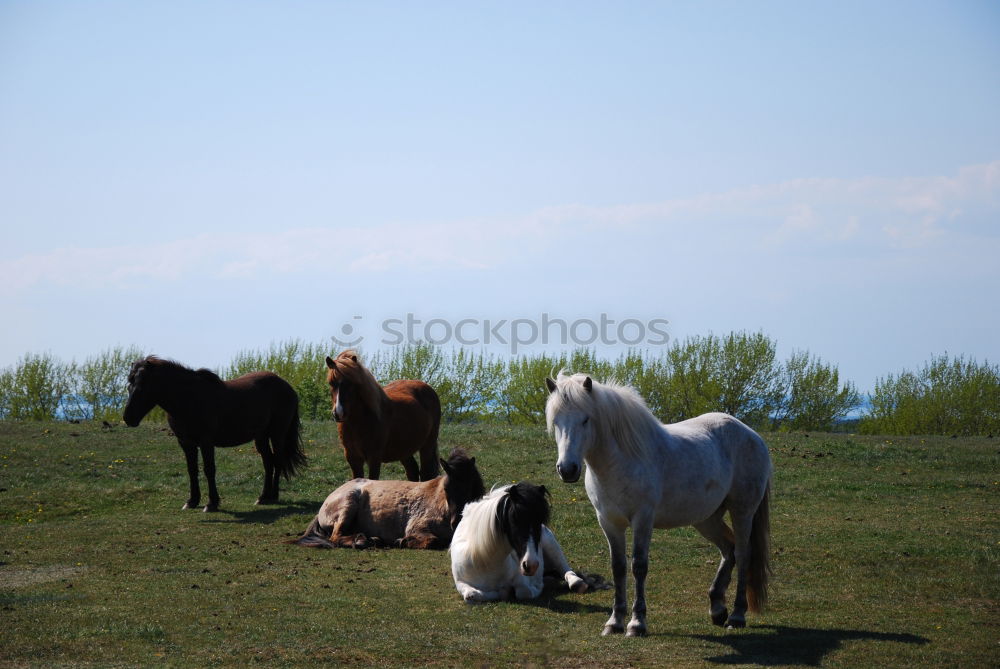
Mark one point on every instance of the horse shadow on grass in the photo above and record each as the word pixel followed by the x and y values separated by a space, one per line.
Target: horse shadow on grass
pixel 554 599
pixel 793 645
pixel 265 515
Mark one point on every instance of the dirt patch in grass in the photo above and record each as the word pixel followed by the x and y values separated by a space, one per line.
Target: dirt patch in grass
pixel 20 577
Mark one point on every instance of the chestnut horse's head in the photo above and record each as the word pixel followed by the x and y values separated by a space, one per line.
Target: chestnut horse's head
pixel 351 385
pixel 462 484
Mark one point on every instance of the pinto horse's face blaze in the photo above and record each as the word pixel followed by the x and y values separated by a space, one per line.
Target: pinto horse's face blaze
pixel 521 515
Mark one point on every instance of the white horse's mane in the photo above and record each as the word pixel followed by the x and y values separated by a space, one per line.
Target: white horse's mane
pixel 619 413
pixel 485 536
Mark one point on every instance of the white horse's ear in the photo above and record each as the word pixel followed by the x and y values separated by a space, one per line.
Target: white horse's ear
pixel 330 363
pixel 588 384
pixel 550 384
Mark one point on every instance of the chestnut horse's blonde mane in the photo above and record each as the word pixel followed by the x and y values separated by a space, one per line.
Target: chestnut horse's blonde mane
pixel 349 366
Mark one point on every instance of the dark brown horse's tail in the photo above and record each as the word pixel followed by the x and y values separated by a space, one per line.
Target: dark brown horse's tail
pixel 313 537
pixel 429 399
pixel 759 567
pixel 290 457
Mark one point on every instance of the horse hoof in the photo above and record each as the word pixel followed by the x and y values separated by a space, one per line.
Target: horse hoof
pixel 636 630
pixel 720 617
pixel 266 500
pixel 210 508
pixel 612 629
pixel 736 623
pixel 189 505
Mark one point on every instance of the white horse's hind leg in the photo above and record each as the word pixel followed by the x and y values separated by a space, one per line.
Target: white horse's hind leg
pixel 642 534
pixel 556 561
pixel 742 525
pixel 715 530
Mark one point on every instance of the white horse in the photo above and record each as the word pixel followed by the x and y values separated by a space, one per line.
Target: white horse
pixel 644 474
pixel 502 546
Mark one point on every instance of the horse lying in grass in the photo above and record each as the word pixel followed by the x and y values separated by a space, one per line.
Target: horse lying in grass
pixel 403 514
pixel 503 547
pixel 206 412
pixel 379 424
pixel 644 474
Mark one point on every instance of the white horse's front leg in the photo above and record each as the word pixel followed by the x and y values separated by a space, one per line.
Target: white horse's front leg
pixel 642 533
pixel 473 595
pixel 555 557
pixel 526 588
pixel 619 566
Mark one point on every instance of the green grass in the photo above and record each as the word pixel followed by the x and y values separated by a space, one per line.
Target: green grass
pixel 886 550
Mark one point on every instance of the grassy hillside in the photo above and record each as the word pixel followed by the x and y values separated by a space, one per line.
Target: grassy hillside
pixel 886 554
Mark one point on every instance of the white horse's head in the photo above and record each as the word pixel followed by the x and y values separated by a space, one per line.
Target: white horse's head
pixel 569 418
pixel 584 415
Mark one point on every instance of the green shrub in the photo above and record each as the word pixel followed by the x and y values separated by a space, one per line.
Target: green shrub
pixel 99 385
pixel 300 363
pixel 812 397
pixel 946 396
pixel 36 388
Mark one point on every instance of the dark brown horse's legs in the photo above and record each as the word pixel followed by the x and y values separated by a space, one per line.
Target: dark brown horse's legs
pixel 191 455
pixel 374 468
pixel 412 471
pixel 270 493
pixel 208 457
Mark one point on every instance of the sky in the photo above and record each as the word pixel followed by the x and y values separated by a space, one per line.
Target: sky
pixel 200 178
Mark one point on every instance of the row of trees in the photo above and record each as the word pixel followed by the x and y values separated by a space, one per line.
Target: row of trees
pixel 41 387
pixel 945 396
pixel 738 373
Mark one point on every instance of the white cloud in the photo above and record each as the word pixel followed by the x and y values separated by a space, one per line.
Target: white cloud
pixel 887 213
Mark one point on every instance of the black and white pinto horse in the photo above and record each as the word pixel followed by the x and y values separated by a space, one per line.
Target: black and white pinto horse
pixel 502 547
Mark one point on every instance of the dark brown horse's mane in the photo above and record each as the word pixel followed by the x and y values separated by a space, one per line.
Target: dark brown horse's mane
pixel 176 367
pixel 349 367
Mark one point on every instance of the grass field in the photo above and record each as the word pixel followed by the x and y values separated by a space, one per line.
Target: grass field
pixel 886 551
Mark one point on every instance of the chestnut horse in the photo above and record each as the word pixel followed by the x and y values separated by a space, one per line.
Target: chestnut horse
pixel 379 424
pixel 204 412
pixel 404 514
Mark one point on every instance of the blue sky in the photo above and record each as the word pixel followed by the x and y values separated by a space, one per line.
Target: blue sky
pixel 203 177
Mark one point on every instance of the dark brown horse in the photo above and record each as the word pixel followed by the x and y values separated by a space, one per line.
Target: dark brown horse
pixel 379 424
pixel 404 514
pixel 205 412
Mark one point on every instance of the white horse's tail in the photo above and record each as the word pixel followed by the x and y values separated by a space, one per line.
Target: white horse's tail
pixel 759 567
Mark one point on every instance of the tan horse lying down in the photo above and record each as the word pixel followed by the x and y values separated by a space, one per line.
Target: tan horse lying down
pixel 403 514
